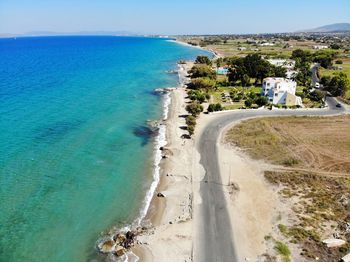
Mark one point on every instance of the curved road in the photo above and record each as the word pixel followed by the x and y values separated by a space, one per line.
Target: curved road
pixel 215 229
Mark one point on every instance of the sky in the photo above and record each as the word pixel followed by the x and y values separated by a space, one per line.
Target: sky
pixel 170 16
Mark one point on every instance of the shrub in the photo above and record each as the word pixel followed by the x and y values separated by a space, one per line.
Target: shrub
pixel 215 107
pixel 196 95
pixel 316 96
pixel 282 249
pixel 261 101
pixel 248 103
pixel 291 162
pixel 202 83
pixel 190 120
pixel 203 60
pixel 194 108
pixel 338 84
pixel 202 71
pixel 190 130
pixel 283 229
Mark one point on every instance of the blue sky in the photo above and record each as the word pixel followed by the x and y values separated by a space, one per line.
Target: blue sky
pixel 170 16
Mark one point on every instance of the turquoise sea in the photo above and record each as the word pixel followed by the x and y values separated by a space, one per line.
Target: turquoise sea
pixel 75 150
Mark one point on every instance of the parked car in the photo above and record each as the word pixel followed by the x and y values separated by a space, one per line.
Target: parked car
pixel 317 85
pixel 338 105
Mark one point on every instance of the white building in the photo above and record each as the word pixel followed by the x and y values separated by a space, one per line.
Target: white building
pixel 320 47
pixel 285 63
pixel 267 44
pixel 279 90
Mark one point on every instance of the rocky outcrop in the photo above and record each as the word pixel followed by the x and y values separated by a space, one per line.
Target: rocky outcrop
pixel 120 243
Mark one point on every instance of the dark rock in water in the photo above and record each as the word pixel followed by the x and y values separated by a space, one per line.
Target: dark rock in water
pixel 160 195
pixel 130 235
pixel 161 148
pixel 58 130
pixel 145 133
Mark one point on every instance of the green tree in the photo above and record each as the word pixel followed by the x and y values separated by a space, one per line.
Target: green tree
pixel 215 107
pixel 218 107
pixel 325 80
pixel 202 83
pixel 194 108
pixel 245 81
pixel 324 58
pixel 279 71
pixel 190 130
pixel 219 61
pixel 202 71
pixel 303 76
pixel 261 101
pixel 316 96
pixel 338 85
pixel 335 46
pixel 190 120
pixel 197 95
pixel 301 57
pixel 203 60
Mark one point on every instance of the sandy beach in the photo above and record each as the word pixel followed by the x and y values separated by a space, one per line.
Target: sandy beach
pixel 171 215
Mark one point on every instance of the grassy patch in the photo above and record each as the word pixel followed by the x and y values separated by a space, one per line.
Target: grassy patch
pixel 283 229
pixel 283 250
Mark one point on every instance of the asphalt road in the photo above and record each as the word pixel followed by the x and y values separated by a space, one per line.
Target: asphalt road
pixel 215 229
pixel 314 71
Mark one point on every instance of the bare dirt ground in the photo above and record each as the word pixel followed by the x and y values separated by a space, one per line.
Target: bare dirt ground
pixel 310 169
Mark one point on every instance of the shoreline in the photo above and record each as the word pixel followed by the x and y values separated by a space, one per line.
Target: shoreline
pixel 213 52
pixel 152 208
pixel 170 216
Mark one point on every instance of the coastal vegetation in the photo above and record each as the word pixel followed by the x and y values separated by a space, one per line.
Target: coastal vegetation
pixel 252 66
pixel 203 60
pixel 337 85
pixel 241 54
pixel 203 81
pixel 311 157
pixel 194 108
pixel 191 124
pixel 283 250
pixel 214 107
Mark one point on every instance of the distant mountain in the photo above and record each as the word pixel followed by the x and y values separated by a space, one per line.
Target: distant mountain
pixel 339 27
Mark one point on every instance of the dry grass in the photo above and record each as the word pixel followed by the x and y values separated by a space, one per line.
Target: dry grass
pixel 305 142
pixel 315 155
pixel 323 201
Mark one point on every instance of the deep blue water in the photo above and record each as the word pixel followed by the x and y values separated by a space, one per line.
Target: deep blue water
pixel 74 158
